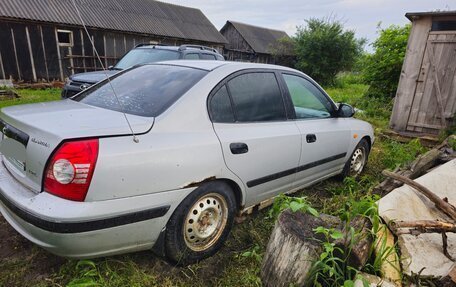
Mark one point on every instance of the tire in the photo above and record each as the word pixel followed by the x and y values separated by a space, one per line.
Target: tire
pixel 357 160
pixel 201 223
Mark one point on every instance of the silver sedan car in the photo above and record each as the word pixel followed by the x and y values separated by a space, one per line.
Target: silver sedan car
pixel 165 155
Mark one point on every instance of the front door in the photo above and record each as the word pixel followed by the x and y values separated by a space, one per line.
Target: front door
pixel 259 144
pixel 434 102
pixel 325 138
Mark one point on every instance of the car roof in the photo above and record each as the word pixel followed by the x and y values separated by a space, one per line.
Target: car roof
pixel 177 48
pixel 210 65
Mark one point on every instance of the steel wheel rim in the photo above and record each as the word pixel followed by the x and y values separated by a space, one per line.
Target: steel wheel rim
pixel 205 222
pixel 357 161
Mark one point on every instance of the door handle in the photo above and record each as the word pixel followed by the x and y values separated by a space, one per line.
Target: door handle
pixel 310 138
pixel 239 148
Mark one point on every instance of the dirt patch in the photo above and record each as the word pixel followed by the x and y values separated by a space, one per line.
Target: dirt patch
pixel 21 262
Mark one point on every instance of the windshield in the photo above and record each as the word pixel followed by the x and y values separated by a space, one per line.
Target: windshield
pixel 144 56
pixel 144 91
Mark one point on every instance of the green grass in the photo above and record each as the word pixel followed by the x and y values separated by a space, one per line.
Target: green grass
pixel 28 96
pixel 239 261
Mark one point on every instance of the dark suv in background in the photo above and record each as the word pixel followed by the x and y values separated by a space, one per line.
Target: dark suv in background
pixel 141 54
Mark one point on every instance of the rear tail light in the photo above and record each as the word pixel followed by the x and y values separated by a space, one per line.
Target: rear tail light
pixel 70 169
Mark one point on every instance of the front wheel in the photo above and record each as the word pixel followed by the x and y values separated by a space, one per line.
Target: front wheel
pixel 357 161
pixel 201 223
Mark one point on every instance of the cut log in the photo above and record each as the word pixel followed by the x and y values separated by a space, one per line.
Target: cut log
pixel 293 248
pixel 358 248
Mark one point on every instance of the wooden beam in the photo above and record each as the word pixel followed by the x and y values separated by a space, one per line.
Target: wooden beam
pixel 32 62
pixel 15 55
pixel 83 50
pixel 44 53
pixel 62 78
pixel 1 66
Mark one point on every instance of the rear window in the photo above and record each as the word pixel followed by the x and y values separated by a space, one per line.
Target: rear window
pixel 143 91
pixel 144 56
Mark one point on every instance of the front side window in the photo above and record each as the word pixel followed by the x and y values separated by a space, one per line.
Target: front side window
pixel 257 97
pixel 144 56
pixel 144 91
pixel 308 100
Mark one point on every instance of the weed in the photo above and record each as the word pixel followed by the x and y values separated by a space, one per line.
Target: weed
pixel 295 204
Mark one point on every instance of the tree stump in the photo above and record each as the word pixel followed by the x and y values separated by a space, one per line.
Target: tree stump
pixel 293 247
pixel 359 251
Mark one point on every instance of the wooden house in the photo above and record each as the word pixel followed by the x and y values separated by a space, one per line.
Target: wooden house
pixel 248 43
pixel 45 39
pixel 425 101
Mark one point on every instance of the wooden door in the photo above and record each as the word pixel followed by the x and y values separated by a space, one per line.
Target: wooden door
pixel 434 103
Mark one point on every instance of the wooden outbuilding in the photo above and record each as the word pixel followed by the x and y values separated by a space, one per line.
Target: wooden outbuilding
pixel 425 101
pixel 249 43
pixel 45 39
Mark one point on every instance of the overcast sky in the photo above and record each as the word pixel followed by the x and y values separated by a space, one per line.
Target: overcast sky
pixel 359 15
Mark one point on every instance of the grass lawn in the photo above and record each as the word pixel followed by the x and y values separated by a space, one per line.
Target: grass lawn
pixel 238 263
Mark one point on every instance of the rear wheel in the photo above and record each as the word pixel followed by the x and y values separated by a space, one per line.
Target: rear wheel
pixel 201 223
pixel 357 161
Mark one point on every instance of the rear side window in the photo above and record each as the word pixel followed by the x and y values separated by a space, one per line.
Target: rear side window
pixel 192 56
pixel 220 107
pixel 144 91
pixel 257 97
pixel 208 57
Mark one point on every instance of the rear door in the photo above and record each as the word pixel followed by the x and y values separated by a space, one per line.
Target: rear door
pixel 325 138
pixel 259 144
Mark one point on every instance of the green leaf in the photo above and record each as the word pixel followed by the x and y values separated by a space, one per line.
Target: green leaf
pixel 313 211
pixel 336 234
pixel 349 283
pixel 295 206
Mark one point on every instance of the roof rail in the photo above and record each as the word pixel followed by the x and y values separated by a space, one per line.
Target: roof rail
pixel 183 47
pixel 149 44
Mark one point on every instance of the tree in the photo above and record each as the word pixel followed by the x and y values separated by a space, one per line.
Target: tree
pixel 283 51
pixel 324 48
pixel 383 67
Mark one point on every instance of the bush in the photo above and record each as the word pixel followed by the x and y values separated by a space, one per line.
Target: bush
pixel 324 48
pixel 383 67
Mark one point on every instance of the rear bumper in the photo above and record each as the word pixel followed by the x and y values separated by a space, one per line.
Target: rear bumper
pixel 86 229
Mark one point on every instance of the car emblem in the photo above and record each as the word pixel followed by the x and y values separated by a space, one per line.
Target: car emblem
pixel 83 87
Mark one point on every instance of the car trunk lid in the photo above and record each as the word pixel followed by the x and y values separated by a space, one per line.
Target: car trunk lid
pixel 30 133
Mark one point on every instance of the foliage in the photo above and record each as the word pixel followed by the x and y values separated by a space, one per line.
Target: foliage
pixel 88 273
pixel 283 52
pixel 383 67
pixel 401 154
pixel 324 48
pixel 295 204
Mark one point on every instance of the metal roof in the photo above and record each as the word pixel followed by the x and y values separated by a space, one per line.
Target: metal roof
pixel 413 15
pixel 136 16
pixel 259 38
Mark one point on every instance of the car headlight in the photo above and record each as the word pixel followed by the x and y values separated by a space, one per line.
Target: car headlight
pixel 67 81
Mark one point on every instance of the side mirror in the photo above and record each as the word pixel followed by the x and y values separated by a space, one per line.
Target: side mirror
pixel 345 111
pixel 110 67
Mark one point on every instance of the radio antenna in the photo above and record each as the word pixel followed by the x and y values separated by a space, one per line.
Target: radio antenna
pixel 135 139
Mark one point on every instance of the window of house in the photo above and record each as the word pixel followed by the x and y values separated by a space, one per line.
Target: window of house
pixel 65 38
pixel 443 26
pixel 257 97
pixel 308 100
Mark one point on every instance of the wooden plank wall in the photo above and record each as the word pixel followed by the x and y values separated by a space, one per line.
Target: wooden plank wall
pixel 410 72
pixel 30 51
